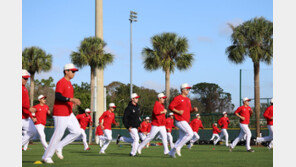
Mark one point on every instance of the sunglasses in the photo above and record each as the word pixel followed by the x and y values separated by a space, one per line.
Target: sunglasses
pixel 25 78
pixel 72 71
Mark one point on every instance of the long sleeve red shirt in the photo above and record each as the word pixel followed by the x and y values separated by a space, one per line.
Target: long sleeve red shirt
pixel 181 103
pixel 109 118
pixel 268 114
pixel 25 103
pixel 195 124
pixel 143 127
pixel 158 119
pixel 99 131
pixel 169 124
pixel 244 112
pixel 216 130
pixel 83 120
pixel 223 122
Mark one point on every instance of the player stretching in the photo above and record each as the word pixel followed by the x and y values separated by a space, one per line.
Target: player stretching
pixel 181 106
pixel 28 121
pixel 109 118
pixel 195 124
pixel 83 120
pixel 63 116
pixel 131 120
pixel 143 129
pixel 223 123
pixel 99 135
pixel 216 130
pixel 244 113
pixel 158 124
pixel 268 114
pixel 169 125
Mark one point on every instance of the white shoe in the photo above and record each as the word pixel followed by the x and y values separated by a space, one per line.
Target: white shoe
pixel 139 151
pixel 172 153
pixel 59 154
pixel 178 151
pixel 48 160
pixel 102 152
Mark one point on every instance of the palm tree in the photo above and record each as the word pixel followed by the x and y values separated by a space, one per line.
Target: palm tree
pixel 91 52
pixel 34 59
pixel 168 52
pixel 253 38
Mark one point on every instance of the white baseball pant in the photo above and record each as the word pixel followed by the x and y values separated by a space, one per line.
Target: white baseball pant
pixel 29 131
pixel 185 134
pixel 223 133
pixel 84 140
pixel 134 140
pixel 60 125
pixel 245 130
pixel 40 130
pixel 142 136
pixel 153 133
pixel 170 139
pixel 213 136
pixel 269 137
pixel 107 139
pixel 194 138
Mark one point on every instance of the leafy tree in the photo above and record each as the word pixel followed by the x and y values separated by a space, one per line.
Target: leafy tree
pixel 167 53
pixel 35 60
pixel 253 39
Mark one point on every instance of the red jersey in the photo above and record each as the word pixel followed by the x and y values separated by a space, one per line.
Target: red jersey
pixel 99 131
pixel 169 124
pixel 66 89
pixel 41 113
pixel 149 127
pixel 143 127
pixel 195 124
pixel 268 114
pixel 157 118
pixel 181 103
pixel 244 112
pixel 216 130
pixel 83 120
pixel 223 122
pixel 109 118
pixel 25 103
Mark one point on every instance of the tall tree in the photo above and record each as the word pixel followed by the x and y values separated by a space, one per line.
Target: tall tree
pixel 253 39
pixel 35 60
pixel 167 53
pixel 91 52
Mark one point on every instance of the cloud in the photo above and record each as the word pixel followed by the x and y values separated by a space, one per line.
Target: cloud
pixel 153 85
pixel 204 39
pixel 54 72
pixel 225 30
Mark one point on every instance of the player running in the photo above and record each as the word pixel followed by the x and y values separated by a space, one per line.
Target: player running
pixel 216 131
pixel 143 129
pixel 181 106
pixel 195 124
pixel 109 119
pixel 158 124
pixel 223 123
pixel 169 125
pixel 244 113
pixel 99 135
pixel 63 115
pixel 268 115
pixel 83 120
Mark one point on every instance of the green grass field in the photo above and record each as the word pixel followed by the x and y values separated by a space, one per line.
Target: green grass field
pixel 199 155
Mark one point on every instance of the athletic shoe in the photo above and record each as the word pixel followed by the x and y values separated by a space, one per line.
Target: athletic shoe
pixel 190 145
pixel 59 154
pixel 250 150
pixel 48 160
pixel 87 149
pixel 118 137
pixel 230 149
pixel 178 151
pixel 132 155
pixel 102 152
pixel 139 151
pixel 172 153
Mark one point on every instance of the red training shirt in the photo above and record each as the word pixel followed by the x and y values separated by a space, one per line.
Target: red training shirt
pixel 181 103
pixel 195 124
pixel 149 127
pixel 169 124
pixel 157 118
pixel 83 120
pixel 216 130
pixel 109 118
pixel 66 89
pixel 25 103
pixel 143 127
pixel 223 122
pixel 41 114
pixel 244 112
pixel 268 114
pixel 99 131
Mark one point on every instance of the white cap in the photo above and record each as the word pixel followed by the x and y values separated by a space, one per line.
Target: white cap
pixel 161 95
pixel 246 99
pixel 147 118
pixel 134 95
pixel 112 105
pixel 25 74
pixel 170 114
pixel 41 96
pixel 271 101
pixel 71 67
pixel 185 86
pixel 224 112
pixel 215 123
pixel 197 114
pixel 87 110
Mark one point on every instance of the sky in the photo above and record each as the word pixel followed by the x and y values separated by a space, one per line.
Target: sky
pixel 58 27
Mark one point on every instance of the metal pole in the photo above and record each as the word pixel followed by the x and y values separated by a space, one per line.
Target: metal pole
pixel 240 87
pixel 131 60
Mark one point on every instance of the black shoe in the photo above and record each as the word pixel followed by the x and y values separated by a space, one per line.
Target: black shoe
pixel 132 155
pixel 251 150
pixel 118 137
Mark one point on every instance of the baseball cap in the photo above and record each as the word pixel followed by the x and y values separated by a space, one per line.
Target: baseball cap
pixel 271 101
pixel 185 86
pixel 87 110
pixel 71 67
pixel 224 113
pixel 215 123
pixel 161 95
pixel 197 114
pixel 112 105
pixel 171 113
pixel 134 95
pixel 41 97
pixel 25 74
pixel 246 99
pixel 147 118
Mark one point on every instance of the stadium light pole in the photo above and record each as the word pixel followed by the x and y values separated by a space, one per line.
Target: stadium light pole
pixel 133 18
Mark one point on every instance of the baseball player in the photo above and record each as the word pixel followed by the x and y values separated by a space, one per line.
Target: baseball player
pixel 63 116
pixel 143 129
pixel 158 124
pixel 195 124
pixel 223 123
pixel 244 113
pixel 216 131
pixel 99 135
pixel 109 118
pixel 83 120
pixel 181 106
pixel 268 115
pixel 169 125
pixel 131 120
pixel 28 128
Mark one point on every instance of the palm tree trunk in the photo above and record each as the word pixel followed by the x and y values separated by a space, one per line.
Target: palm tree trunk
pixel 92 88
pixel 167 87
pixel 32 84
pixel 257 96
